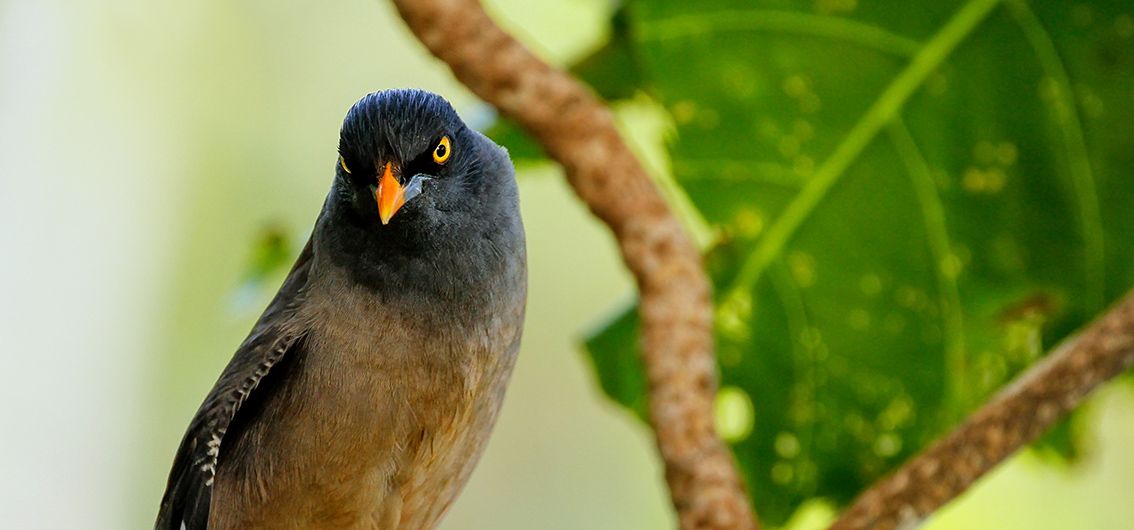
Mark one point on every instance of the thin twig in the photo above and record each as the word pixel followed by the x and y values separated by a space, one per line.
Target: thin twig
pixel 578 131
pixel 1015 417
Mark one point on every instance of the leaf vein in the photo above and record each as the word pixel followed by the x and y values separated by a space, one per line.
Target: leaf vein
pixel 933 213
pixel 1071 130
pixel 743 20
pixel 799 322
pixel 884 108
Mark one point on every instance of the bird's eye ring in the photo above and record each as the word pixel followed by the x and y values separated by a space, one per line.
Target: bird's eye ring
pixel 342 163
pixel 443 151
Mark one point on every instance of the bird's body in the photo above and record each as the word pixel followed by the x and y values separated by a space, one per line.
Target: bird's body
pixel 366 393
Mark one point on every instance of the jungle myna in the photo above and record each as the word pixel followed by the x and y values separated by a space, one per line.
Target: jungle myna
pixel 364 395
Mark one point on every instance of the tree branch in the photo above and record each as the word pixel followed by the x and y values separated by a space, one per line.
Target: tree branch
pixel 578 131
pixel 1015 417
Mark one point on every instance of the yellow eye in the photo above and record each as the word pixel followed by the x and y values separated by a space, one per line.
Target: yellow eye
pixel 343 164
pixel 443 151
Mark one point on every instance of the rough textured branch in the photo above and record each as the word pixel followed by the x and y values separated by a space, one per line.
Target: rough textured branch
pixel 578 131
pixel 1018 415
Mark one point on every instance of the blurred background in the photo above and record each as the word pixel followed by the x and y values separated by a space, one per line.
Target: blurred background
pixel 158 159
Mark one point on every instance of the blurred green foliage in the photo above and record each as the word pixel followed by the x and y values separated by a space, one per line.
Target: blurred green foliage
pixel 272 253
pixel 911 201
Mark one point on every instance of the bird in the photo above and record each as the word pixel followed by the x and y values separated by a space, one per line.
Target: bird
pixel 364 395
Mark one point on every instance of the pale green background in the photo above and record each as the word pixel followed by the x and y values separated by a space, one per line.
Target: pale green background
pixel 145 145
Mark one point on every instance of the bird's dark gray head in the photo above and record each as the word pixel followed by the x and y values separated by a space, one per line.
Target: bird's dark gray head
pixel 416 190
pixel 396 144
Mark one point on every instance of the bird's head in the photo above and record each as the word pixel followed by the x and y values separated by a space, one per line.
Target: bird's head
pixel 417 193
pixel 404 158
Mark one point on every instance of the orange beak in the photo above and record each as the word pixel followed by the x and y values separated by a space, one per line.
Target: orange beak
pixel 390 195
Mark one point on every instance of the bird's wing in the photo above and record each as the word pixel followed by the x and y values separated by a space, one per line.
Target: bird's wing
pixel 185 504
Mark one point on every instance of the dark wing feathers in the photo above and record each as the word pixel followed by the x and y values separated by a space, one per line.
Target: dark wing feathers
pixel 185 504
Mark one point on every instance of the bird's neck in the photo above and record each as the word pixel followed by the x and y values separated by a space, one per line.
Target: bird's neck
pixel 434 275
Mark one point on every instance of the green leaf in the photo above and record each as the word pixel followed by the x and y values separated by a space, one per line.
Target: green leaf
pixel 614 357
pixel 271 254
pixel 521 147
pixel 914 201
pixel 612 70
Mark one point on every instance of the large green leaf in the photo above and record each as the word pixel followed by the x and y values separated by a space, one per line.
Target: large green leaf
pixel 914 200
